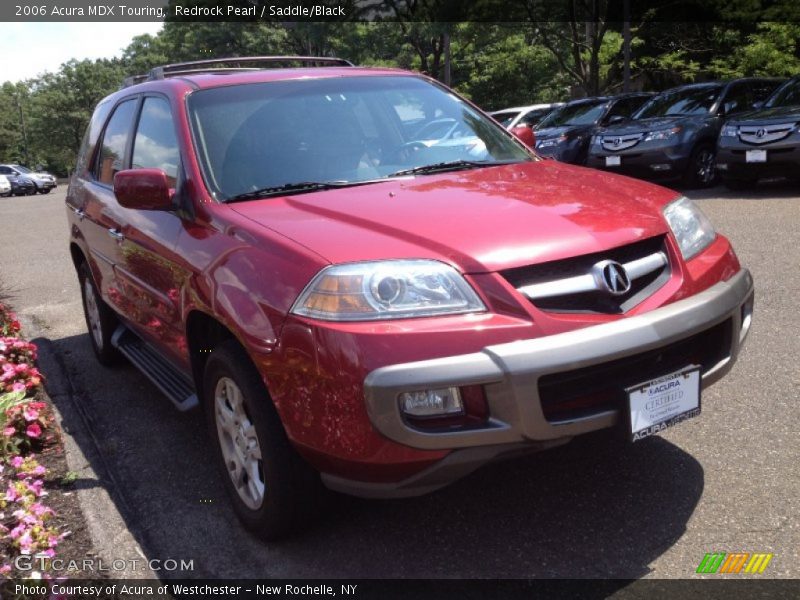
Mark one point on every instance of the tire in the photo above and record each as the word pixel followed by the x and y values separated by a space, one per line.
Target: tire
pixel 273 495
pixel 738 185
pixel 701 171
pixel 100 319
pixel 45 191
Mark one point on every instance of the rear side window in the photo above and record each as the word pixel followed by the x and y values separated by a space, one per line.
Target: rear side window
pixel 155 145
pixel 115 140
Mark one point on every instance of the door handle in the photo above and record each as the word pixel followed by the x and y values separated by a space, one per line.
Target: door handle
pixel 116 234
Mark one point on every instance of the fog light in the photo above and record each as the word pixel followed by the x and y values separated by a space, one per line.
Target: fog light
pixel 432 403
pixel 661 167
pixel 722 166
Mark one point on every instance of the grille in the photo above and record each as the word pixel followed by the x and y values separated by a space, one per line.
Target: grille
pixel 764 134
pixel 594 301
pixel 615 143
pixel 591 390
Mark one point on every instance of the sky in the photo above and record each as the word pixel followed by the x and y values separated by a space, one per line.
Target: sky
pixel 29 49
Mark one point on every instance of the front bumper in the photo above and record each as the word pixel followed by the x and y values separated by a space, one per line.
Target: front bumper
pixel 666 162
pixel 510 374
pixel 783 160
pixel 44 184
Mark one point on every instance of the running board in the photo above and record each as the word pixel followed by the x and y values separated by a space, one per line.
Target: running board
pixel 153 366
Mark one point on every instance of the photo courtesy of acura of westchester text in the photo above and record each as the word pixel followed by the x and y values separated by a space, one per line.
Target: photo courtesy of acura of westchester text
pixel 391 297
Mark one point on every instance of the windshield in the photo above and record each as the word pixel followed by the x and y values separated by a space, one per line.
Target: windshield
pixel 786 95
pixel 686 101
pixel 585 113
pixel 336 130
pixel 22 169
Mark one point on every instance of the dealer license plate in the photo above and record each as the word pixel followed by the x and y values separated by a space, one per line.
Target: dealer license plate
pixel 755 156
pixel 613 161
pixel 663 402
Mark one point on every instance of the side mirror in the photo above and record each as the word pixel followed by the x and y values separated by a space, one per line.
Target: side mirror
pixel 616 119
pixel 525 135
pixel 143 189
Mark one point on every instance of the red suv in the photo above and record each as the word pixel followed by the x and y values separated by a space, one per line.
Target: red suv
pixel 356 302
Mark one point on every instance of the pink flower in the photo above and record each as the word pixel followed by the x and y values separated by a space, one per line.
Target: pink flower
pixel 17 531
pixel 30 414
pixel 17 461
pixel 25 542
pixel 9 431
pixel 18 386
pixel 40 510
pixel 12 495
pixel 33 430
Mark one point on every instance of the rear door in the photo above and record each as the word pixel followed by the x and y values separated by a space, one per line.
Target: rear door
pixel 101 213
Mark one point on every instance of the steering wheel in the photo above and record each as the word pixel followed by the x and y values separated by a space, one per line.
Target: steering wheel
pixel 405 152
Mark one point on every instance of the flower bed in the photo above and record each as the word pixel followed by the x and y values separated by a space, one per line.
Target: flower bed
pixel 27 523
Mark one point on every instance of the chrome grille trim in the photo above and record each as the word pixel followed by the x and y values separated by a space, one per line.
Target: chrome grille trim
pixel 769 133
pixel 589 282
pixel 614 143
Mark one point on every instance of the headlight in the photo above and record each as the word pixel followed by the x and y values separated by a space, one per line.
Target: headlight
pixel 690 226
pixel 392 289
pixel 662 134
pixel 551 142
pixel 729 131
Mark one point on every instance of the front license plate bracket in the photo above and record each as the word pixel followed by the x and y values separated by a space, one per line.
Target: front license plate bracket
pixel 663 402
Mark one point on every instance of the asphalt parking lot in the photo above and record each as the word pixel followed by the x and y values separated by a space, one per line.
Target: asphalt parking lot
pixel 727 481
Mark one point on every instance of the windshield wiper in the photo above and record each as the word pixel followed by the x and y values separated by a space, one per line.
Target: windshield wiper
pixel 296 188
pixel 453 165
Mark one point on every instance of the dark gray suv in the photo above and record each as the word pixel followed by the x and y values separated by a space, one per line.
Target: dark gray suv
pixel 674 135
pixel 762 143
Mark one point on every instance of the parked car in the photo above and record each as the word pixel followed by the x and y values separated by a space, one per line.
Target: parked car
pixel 21 186
pixel 674 135
pixel 564 134
pixel 5 186
pixel 762 143
pixel 524 115
pixel 379 317
pixel 44 182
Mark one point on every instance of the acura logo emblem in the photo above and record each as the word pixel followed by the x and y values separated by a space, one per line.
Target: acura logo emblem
pixel 760 133
pixel 612 277
pixel 617 141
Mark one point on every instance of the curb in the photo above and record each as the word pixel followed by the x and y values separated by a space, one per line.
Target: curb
pixel 111 537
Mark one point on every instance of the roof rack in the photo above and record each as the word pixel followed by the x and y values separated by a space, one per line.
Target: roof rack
pixel 237 63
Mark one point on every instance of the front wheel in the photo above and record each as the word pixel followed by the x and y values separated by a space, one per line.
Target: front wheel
pixel 702 169
pixel 269 484
pixel 44 191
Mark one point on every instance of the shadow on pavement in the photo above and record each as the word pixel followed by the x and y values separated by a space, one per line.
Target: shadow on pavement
pixel 594 508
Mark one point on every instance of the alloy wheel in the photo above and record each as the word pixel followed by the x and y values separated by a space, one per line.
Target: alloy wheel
pixel 238 440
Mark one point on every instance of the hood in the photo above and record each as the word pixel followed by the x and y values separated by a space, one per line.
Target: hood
pixel 767 116
pixel 479 220
pixel 641 125
pixel 552 132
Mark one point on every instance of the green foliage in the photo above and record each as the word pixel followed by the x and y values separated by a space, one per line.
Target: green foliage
pixel 8 400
